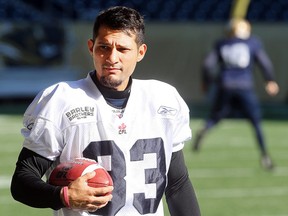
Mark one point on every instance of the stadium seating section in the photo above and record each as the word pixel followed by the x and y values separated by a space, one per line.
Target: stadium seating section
pixel 154 10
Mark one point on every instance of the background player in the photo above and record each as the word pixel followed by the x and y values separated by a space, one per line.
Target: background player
pixel 136 129
pixel 235 56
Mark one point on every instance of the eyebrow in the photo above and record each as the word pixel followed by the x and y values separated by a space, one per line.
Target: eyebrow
pixel 117 45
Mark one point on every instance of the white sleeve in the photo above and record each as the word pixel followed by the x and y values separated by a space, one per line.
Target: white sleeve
pixel 43 138
pixel 181 131
pixel 40 132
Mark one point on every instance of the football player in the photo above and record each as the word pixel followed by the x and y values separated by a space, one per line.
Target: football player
pixel 235 55
pixel 136 129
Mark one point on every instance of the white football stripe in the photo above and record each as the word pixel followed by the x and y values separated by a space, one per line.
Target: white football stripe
pixel 91 168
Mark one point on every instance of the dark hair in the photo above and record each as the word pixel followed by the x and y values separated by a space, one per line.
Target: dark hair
pixel 121 18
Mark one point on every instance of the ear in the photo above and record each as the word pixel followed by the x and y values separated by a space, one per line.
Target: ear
pixel 90 44
pixel 141 52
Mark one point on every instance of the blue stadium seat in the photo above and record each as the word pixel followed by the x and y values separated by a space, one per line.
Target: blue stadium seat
pixel 157 10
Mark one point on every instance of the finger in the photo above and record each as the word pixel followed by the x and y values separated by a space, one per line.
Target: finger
pixel 101 201
pixel 92 208
pixel 101 191
pixel 105 190
pixel 103 205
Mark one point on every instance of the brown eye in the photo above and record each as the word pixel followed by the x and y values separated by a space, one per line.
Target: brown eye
pixel 104 47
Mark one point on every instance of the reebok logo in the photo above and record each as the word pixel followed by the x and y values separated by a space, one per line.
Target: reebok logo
pixel 167 111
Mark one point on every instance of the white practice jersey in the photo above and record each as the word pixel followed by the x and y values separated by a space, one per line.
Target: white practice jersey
pixel 72 119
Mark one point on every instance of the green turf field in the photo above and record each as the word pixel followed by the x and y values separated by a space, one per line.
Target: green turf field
pixel 226 173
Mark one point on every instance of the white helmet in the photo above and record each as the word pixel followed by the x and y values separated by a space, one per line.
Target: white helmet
pixel 239 28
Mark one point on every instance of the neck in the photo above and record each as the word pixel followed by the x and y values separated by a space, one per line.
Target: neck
pixel 112 96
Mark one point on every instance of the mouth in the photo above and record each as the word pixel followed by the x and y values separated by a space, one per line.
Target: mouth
pixel 112 70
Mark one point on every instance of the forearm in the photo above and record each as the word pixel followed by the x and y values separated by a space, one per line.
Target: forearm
pixel 27 185
pixel 266 65
pixel 183 202
pixel 180 195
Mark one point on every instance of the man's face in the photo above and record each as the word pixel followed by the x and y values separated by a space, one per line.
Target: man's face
pixel 115 55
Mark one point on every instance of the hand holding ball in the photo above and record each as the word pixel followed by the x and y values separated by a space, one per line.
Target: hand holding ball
pixel 66 172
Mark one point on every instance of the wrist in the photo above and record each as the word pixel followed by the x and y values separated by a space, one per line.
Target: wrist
pixel 65 197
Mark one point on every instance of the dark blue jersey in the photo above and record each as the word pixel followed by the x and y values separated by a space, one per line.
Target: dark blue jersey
pixel 235 60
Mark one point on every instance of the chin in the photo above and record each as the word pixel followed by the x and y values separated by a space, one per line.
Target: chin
pixel 110 83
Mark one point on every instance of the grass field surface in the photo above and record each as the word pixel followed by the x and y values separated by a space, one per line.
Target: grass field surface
pixel 226 173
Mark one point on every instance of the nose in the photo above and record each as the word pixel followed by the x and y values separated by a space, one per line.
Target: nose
pixel 113 56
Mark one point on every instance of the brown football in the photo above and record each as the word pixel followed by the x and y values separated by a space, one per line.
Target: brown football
pixel 66 172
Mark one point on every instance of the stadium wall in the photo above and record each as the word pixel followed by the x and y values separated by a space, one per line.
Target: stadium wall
pixel 175 53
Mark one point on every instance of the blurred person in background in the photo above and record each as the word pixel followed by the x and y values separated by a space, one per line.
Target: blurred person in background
pixel 235 56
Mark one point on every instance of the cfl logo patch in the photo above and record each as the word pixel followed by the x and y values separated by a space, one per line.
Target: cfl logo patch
pixel 122 129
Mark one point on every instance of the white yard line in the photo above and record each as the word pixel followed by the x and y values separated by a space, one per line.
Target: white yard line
pixel 5 182
pixel 5 200
pixel 221 173
pixel 243 192
pixel 232 172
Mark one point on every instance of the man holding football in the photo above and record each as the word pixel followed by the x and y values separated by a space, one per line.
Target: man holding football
pixel 135 129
